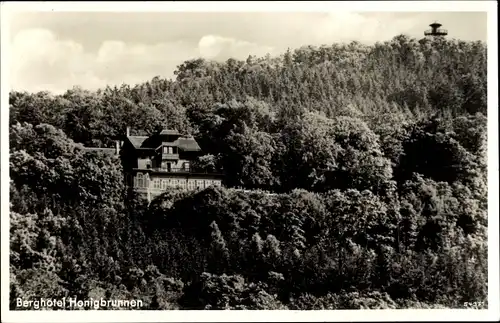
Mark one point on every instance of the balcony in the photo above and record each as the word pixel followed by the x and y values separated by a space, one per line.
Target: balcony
pixel 174 170
pixel 182 170
pixel 436 32
pixel 165 156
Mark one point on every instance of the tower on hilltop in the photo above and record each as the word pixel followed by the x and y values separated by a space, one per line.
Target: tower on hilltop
pixel 436 30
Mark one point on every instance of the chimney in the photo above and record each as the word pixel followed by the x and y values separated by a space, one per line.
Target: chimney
pixel 117 147
pixel 128 131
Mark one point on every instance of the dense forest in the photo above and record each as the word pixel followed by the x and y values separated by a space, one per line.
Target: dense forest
pixel 355 177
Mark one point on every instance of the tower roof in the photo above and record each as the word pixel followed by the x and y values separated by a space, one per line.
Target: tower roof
pixel 436 30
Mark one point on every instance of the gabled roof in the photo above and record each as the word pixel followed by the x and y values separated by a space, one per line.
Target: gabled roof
pixel 137 141
pixel 172 132
pixel 187 144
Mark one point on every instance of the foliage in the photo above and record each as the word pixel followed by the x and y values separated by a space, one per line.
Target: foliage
pixel 355 177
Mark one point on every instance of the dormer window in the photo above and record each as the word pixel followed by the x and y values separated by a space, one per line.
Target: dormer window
pixel 168 150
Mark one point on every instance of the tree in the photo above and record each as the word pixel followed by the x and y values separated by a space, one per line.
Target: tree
pixel 322 154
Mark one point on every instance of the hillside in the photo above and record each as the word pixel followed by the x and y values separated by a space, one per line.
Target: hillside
pixel 375 156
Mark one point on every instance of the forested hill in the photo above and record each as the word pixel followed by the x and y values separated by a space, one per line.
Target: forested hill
pixel 376 153
pixel 405 77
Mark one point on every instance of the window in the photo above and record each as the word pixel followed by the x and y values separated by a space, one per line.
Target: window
pixel 190 184
pixel 168 150
pixel 139 180
pixel 176 183
pixel 163 184
pixel 208 183
pixel 156 183
pixel 186 166
pixel 183 184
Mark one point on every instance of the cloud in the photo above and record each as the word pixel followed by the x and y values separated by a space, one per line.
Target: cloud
pixel 222 48
pixel 362 27
pixel 41 61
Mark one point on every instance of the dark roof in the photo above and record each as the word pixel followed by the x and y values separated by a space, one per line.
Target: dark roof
pixel 170 132
pixel 108 151
pixel 184 143
pixel 187 144
pixel 137 141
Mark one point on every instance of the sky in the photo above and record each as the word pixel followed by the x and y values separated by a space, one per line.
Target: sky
pixel 54 51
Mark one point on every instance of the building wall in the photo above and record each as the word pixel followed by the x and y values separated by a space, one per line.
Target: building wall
pixel 128 156
pixel 142 162
pixel 155 163
pixel 161 182
pixel 175 163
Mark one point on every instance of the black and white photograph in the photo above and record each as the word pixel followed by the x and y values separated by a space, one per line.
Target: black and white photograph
pixel 219 161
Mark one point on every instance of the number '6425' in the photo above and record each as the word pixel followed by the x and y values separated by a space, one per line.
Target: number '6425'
pixel 473 304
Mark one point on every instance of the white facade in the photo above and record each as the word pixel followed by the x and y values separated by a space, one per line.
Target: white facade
pixel 155 185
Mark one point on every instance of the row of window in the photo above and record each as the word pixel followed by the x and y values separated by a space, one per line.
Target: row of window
pixel 169 150
pixel 168 166
pixel 143 181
